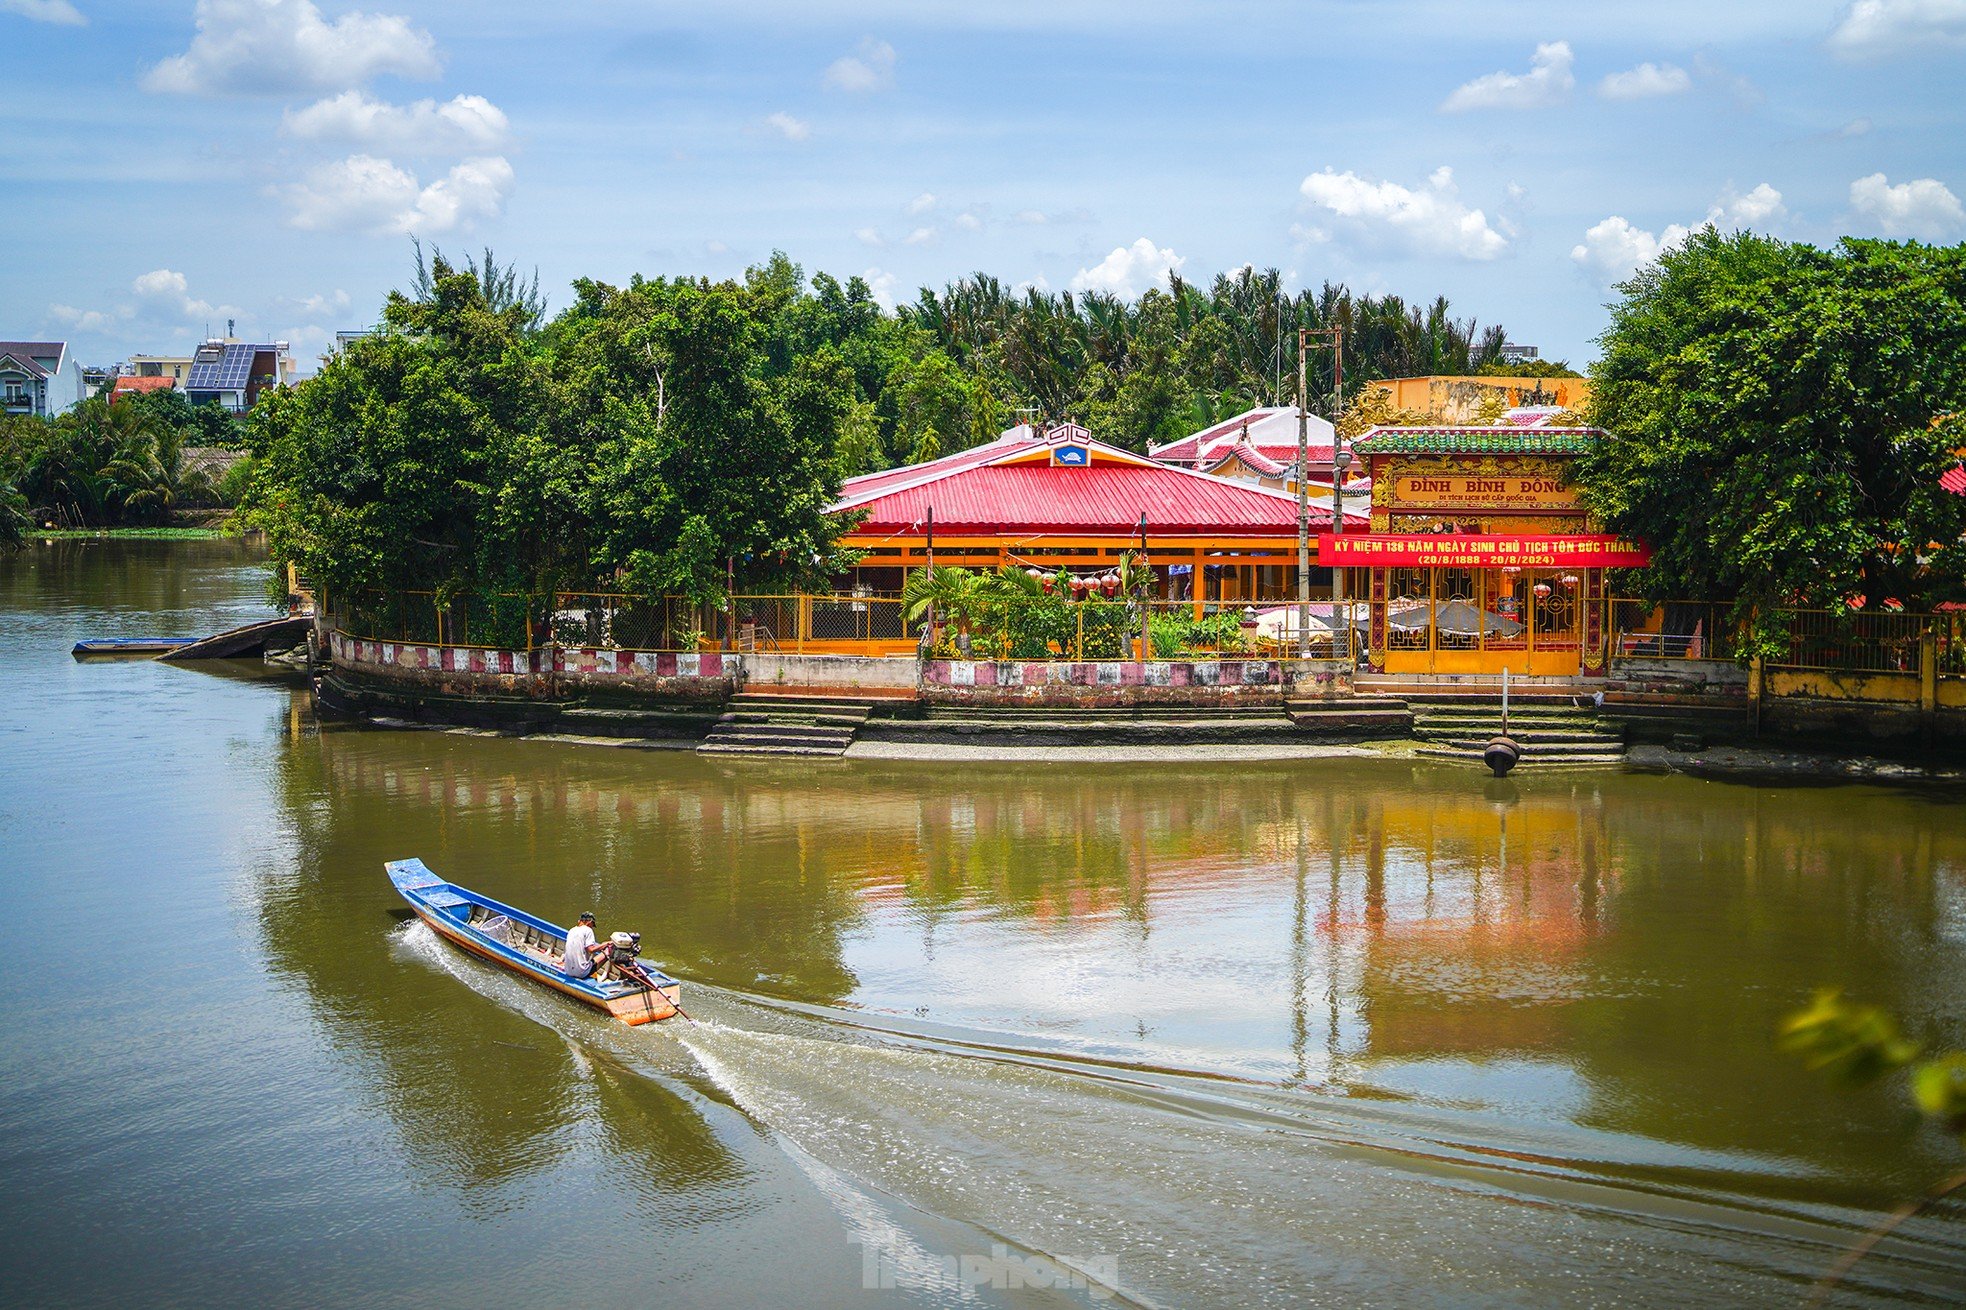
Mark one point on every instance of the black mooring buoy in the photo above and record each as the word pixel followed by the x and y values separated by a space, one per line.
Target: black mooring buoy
pixel 1500 755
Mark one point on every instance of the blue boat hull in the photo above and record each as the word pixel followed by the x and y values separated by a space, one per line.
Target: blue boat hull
pixel 524 944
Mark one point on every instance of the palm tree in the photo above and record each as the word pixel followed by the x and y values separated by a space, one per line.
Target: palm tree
pixel 945 591
pixel 155 475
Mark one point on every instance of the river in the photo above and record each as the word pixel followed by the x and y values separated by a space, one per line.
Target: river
pixel 1319 1033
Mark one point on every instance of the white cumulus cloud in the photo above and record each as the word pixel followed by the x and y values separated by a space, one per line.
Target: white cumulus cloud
pixel 1428 220
pixel 1756 208
pixel 1548 81
pixel 1129 270
pixel 165 292
pixel 45 11
pixel 1878 29
pixel 1645 82
pixel 1924 208
pixel 921 236
pixel 1615 248
pixel 277 47
pixel 323 306
pixel 792 129
pixel 83 320
pixel 884 286
pixel 364 193
pixel 922 203
pixel 871 69
pixel 461 125
pixel 869 236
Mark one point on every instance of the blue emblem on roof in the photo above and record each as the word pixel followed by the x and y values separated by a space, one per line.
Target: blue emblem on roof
pixel 1078 456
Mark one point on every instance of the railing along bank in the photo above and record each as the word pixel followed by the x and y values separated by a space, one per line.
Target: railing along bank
pixel 1110 629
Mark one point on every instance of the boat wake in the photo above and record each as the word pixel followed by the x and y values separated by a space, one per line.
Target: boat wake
pixel 1178 1188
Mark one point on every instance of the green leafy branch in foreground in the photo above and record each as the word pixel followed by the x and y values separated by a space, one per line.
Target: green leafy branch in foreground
pixel 1859 1045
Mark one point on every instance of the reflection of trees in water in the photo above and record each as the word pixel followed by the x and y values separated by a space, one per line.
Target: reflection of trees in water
pixel 1643 935
pixel 481 1096
pixel 1652 946
pixel 110 576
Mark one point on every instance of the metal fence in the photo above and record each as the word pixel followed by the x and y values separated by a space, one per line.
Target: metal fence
pixel 1109 628
pixel 1867 643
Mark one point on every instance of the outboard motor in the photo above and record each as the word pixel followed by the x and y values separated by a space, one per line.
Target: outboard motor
pixel 627 945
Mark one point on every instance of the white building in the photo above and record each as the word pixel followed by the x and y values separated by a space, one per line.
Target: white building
pixel 39 378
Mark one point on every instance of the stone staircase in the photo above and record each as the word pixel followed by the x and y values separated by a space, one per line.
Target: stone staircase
pixel 755 723
pixel 1550 729
pixel 1352 716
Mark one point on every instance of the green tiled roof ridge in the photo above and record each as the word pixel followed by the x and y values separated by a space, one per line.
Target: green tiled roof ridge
pixel 1424 439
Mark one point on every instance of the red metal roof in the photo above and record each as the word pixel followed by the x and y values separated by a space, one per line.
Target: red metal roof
pixel 1104 500
pixel 1954 480
pixel 1012 488
pixel 1273 461
pixel 1010 443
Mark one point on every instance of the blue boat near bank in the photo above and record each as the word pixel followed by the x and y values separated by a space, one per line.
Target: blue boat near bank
pixel 627 989
pixel 129 646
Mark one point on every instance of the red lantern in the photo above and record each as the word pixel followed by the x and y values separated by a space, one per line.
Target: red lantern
pixel 1046 581
pixel 1542 590
pixel 1110 584
pixel 1078 587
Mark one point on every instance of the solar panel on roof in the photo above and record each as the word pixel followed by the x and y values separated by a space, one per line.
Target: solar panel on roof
pixel 228 372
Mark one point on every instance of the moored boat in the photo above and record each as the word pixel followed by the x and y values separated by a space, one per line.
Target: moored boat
pixel 128 645
pixel 634 993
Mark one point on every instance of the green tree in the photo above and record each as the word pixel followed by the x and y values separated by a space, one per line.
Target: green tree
pixel 197 425
pixel 396 467
pixel 1780 416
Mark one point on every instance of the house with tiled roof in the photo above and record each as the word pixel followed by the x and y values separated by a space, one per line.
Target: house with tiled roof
pixel 129 386
pixel 39 378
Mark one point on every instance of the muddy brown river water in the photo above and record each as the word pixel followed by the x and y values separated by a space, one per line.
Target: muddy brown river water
pixel 1329 1032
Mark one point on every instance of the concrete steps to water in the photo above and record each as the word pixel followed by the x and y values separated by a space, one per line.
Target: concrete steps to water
pixel 757 723
pixel 1551 729
pixel 1352 716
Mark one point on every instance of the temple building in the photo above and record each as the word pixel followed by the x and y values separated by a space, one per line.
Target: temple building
pixel 1480 555
pixel 1060 499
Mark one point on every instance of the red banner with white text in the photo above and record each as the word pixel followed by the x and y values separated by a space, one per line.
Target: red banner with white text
pixel 1455 550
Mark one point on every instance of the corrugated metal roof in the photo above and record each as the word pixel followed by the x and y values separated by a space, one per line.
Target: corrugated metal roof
pixel 1954 480
pixel 1271 460
pixel 1105 499
pixel 1017 439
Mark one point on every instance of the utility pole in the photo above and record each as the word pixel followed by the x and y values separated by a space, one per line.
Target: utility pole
pixel 1303 505
pixel 1340 459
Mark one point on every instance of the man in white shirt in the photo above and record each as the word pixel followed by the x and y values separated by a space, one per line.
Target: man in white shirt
pixel 582 955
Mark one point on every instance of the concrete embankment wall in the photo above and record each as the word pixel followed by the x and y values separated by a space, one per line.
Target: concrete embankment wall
pixel 543 674
pixel 1122 684
pixel 858 675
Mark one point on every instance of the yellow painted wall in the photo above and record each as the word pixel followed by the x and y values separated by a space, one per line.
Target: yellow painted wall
pixel 1830 684
pixel 1458 399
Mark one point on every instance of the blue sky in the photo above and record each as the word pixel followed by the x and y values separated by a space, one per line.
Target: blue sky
pixel 171 164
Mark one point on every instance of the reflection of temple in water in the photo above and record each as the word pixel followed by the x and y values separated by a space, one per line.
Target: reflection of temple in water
pixel 1599 923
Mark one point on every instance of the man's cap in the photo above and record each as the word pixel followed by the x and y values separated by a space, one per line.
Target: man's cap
pixel 587 916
